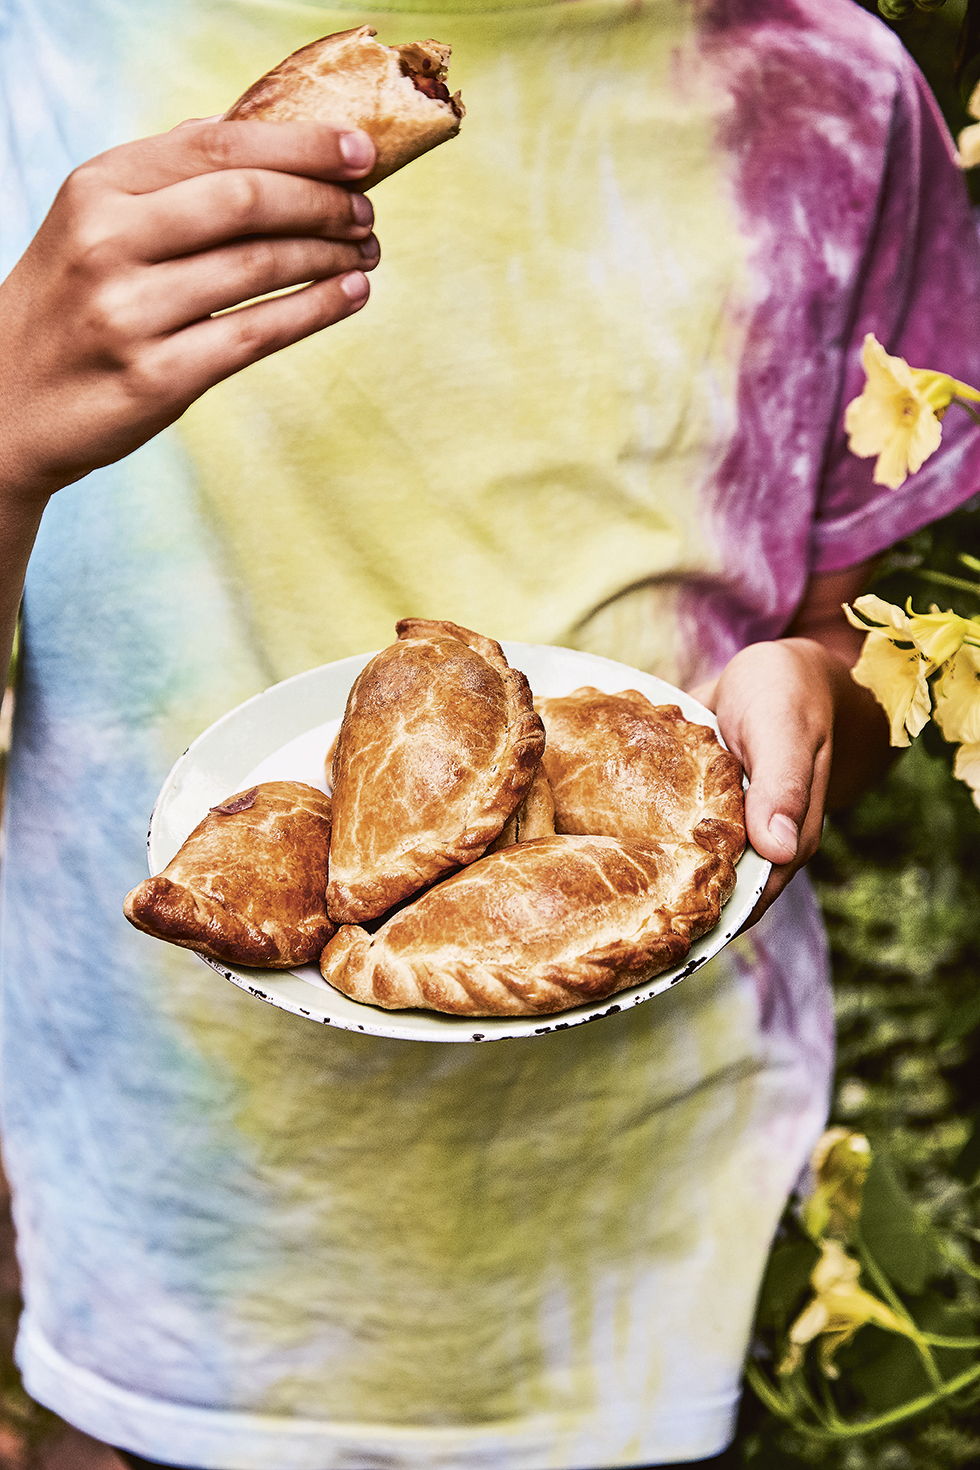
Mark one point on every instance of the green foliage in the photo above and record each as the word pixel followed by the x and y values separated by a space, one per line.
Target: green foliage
pixel 944 38
pixel 899 880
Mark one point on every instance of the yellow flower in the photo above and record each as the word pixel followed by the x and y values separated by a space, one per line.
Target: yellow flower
pixel 939 634
pixel 958 697
pixel 968 146
pixel 893 418
pixel 898 656
pixel 966 767
pixel 968 143
pixel 936 634
pixel 839 1307
pixel 840 1162
pixel 882 615
pixel 898 679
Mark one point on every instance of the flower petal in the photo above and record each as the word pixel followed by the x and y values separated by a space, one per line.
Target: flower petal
pixel 968 146
pixel 877 610
pixel 966 767
pixel 958 697
pixel 897 679
pixel 926 436
pixel 939 635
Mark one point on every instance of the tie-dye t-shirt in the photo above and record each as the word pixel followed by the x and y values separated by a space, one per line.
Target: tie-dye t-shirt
pixel 595 400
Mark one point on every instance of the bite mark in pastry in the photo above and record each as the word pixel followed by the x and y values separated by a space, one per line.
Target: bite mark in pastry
pixel 438 746
pixel 397 94
pixel 624 767
pixel 248 884
pixel 536 928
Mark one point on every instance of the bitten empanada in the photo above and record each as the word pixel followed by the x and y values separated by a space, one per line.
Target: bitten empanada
pixel 621 766
pixel 398 94
pixel 248 886
pixel 438 746
pixel 536 928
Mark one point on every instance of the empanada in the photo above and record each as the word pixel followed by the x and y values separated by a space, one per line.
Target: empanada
pixel 248 885
pixel 536 928
pixel 621 766
pixel 438 746
pixel 398 94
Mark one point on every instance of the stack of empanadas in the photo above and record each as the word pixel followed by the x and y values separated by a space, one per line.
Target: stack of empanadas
pixel 485 858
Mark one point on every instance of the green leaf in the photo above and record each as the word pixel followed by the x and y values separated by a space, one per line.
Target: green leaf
pixel 891 1373
pixel 786 1283
pixel 892 1230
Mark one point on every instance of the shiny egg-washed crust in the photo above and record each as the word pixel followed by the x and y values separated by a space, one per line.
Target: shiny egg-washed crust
pixel 535 817
pixel 623 767
pixel 438 746
pixel 353 81
pixel 247 886
pixel 536 928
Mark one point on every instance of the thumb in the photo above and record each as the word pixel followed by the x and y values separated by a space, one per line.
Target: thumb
pixel 787 762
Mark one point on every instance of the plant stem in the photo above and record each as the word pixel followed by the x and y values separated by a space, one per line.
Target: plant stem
pixel 967 409
pixel 843 1430
pixel 764 1390
pixel 946 580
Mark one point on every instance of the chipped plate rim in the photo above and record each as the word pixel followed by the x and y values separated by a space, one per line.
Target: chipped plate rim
pixel 283 734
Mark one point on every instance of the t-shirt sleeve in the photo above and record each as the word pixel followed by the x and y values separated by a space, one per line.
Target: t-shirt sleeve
pixel 919 293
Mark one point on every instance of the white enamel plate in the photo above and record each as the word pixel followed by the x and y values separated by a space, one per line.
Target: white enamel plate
pixel 284 734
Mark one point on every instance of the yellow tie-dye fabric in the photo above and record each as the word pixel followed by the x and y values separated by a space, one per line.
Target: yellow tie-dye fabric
pixel 511 434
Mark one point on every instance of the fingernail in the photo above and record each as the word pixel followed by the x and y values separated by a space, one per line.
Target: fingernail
pixel 355 286
pixel 361 209
pixel 370 250
pixel 193 122
pixel 356 149
pixel 785 832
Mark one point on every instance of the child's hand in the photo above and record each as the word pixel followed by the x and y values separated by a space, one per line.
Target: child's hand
pixel 808 737
pixel 776 704
pixel 106 326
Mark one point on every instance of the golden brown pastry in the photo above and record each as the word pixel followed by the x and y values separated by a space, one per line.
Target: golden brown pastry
pixel 398 94
pixel 248 885
pixel 624 767
pixel 438 746
pixel 536 928
pixel 535 817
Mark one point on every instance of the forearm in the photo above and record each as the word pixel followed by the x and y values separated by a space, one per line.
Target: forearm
pixel 19 521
